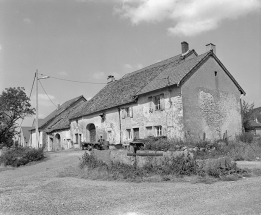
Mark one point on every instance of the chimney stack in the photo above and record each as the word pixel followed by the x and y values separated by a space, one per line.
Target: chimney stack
pixel 59 106
pixel 184 47
pixel 110 79
pixel 210 47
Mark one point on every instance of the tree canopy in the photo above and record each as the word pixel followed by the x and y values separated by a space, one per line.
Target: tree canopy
pixel 247 114
pixel 14 106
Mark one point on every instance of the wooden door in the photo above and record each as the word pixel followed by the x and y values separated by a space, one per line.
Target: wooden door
pixel 92 133
pixel 136 134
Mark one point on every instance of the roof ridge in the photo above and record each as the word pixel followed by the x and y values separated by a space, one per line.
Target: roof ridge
pixel 180 62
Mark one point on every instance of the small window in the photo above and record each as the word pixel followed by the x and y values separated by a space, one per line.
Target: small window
pixel 215 73
pixel 128 132
pixel 128 111
pixel 157 102
pixel 158 130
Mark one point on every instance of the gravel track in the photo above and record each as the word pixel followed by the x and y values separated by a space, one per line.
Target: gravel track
pixel 36 189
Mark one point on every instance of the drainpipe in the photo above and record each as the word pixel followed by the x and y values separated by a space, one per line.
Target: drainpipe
pixel 120 122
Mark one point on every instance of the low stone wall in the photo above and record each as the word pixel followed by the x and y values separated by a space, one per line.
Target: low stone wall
pixel 108 156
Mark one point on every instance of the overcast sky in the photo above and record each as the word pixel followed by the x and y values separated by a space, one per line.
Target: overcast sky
pixel 87 40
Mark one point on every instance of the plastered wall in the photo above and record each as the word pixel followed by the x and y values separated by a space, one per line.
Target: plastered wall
pixel 211 103
pixel 109 128
pixel 170 118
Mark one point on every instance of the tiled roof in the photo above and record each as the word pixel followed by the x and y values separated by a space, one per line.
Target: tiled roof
pixel 44 122
pixel 172 75
pixel 162 74
pixel 62 122
pixel 124 90
pixel 255 124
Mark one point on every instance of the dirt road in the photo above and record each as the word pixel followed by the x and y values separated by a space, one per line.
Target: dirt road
pixel 36 189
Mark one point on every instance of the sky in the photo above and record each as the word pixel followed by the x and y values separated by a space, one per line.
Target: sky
pixel 87 40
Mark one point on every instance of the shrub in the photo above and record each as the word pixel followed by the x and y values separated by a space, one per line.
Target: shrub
pixel 21 155
pixel 246 137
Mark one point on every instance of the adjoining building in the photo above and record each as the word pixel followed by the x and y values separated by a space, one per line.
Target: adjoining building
pixel 24 136
pixel 185 96
pixel 54 142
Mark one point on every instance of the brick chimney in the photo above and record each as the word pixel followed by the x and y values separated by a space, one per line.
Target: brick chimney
pixel 59 106
pixel 110 79
pixel 184 47
pixel 212 47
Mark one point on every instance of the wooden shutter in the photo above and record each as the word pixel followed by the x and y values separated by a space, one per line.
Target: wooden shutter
pixel 162 102
pixel 150 103
pixel 153 102
pixel 131 112
pixel 123 113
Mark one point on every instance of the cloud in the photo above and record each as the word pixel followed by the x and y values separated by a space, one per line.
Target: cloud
pixel 63 73
pixel 189 17
pixel 99 75
pixel 27 21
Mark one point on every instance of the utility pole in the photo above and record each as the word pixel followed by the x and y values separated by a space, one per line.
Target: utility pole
pixel 36 120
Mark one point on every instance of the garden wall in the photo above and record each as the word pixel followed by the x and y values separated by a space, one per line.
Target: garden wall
pixel 109 156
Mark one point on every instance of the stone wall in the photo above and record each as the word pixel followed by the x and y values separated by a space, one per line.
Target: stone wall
pixel 211 103
pixel 146 117
pixel 109 128
pixel 120 156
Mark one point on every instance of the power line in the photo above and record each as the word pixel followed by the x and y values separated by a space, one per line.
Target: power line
pixel 83 82
pixel 32 86
pixel 47 94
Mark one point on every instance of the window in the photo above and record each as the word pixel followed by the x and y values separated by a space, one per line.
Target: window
pixel 215 73
pixel 126 112
pixel 128 133
pixel 158 130
pixel 156 102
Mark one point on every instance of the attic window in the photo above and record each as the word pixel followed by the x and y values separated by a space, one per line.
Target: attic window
pixel 215 73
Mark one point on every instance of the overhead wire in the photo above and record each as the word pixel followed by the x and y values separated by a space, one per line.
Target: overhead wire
pixel 83 82
pixel 29 95
pixel 47 94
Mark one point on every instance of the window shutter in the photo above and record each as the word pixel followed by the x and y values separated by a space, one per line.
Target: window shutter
pixel 131 112
pixel 153 102
pixel 150 103
pixel 123 113
pixel 162 102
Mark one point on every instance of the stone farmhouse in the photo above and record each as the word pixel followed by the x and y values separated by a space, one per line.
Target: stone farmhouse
pixel 185 96
pixel 54 130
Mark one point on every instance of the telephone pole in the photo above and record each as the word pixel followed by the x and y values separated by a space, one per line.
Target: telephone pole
pixel 36 121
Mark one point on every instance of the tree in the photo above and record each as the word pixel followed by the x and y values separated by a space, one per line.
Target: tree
pixel 14 106
pixel 247 115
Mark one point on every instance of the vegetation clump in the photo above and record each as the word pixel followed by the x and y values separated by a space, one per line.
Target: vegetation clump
pixel 171 167
pixel 20 156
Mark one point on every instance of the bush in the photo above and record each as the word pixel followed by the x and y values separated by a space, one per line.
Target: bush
pixel 246 137
pixel 20 156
